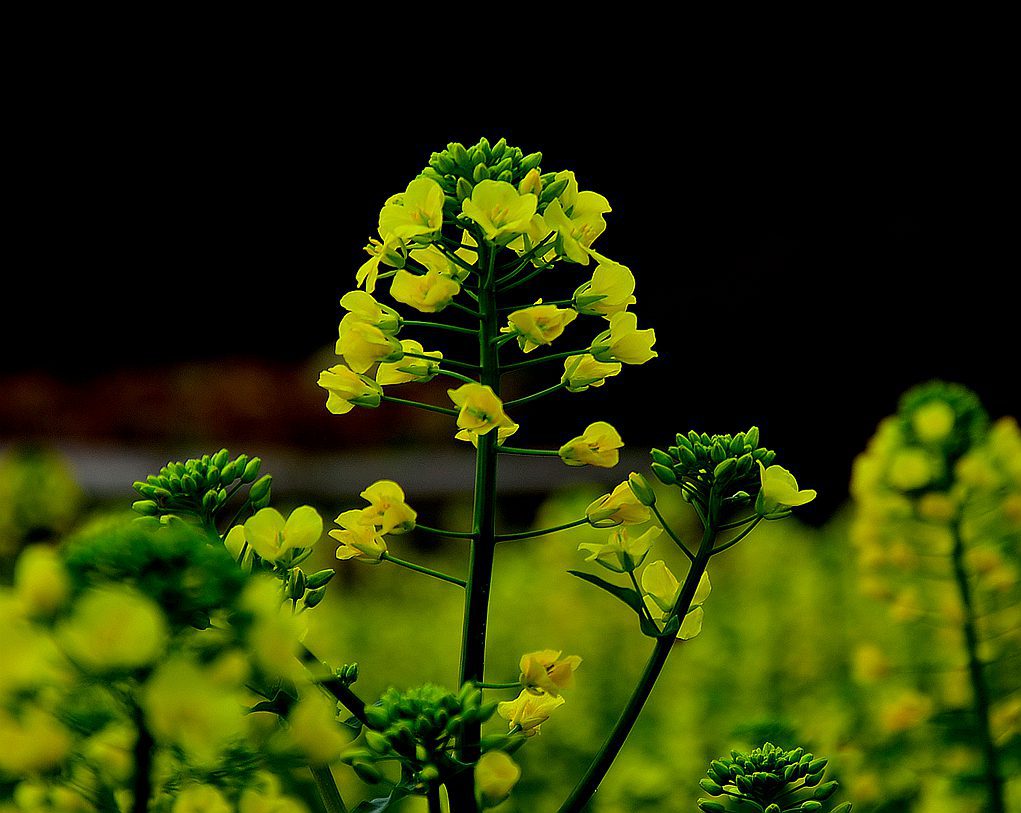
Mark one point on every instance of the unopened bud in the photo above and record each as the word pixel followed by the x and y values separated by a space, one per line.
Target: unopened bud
pixel 641 489
pixel 260 489
pixel 664 474
pixel 147 508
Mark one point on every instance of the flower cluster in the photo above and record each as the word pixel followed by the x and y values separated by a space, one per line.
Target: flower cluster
pixel 362 529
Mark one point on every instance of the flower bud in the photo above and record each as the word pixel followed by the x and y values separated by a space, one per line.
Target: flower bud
pixel 710 787
pixel 320 578
pixel 251 470
pixel 641 489
pixel 710 807
pixel 260 489
pixel 665 475
pixel 147 508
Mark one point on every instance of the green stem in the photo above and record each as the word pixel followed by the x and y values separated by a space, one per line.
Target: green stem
pixel 420 405
pixel 555 357
pixel 634 583
pixel 671 534
pixel 980 690
pixel 327 787
pixel 458 376
pixel 526 278
pixel 465 308
pixel 471 269
pixel 512 685
pixel 543 532
pixel 533 452
pixel 737 538
pixel 439 532
pixel 615 740
pixel 335 686
pixel 439 325
pixel 505 308
pixel 534 395
pixel 386 557
pixel 141 783
pixel 464 365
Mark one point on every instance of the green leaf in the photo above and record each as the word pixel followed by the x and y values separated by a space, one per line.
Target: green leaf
pixel 384 803
pixel 626 594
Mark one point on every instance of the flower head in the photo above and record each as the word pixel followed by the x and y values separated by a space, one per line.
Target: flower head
pixel 347 389
pixel 410 368
pixel 430 292
pixel 620 553
pixel 661 590
pixel 435 260
pixel 362 344
pixel 624 342
pixel 501 211
pixel 359 538
pixel 619 507
pixel 387 509
pixel 611 289
pixel 114 628
pixel 779 490
pixel 583 371
pixel 363 305
pixel 529 711
pixel 546 671
pixel 538 325
pixel 577 218
pixel 502 433
pixel 496 774
pixel 598 445
pixel 272 537
pixel 481 408
pixel 416 213
pixel 379 252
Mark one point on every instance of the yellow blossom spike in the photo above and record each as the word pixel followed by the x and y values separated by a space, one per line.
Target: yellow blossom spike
pixel 410 369
pixel 363 344
pixel 501 211
pixel 496 774
pixel 583 371
pixel 272 538
pixel 538 325
pixel 358 538
pixel 599 445
pixel 529 711
pixel 611 290
pixel 347 389
pixel 429 293
pixel 546 671
pixel 481 408
pixel 624 342
pixel 387 508
pixel 620 553
pixel 416 213
pixel 619 507
pixel 779 490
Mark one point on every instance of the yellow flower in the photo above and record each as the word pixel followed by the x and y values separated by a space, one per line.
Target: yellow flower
pixel 481 408
pixel 41 582
pixel 624 342
pixel 909 710
pixel 409 368
pixel 496 774
pixel 529 711
pixel 870 665
pixel 387 509
pixel 611 289
pixel 435 260
pixel 502 434
pixel 532 182
pixel 577 218
pixel 416 213
pixel 933 421
pixel 501 211
pixel 598 446
pixel 33 741
pixel 201 799
pixel 619 507
pixel 363 305
pixel 115 627
pixel 779 491
pixel 430 292
pixel 270 536
pixel 379 252
pixel 363 344
pixel 583 371
pixel 537 232
pixel 910 468
pixel 359 538
pixel 276 632
pixel 621 553
pixel 661 592
pixel 347 389
pixel 314 730
pixel 538 325
pixel 546 671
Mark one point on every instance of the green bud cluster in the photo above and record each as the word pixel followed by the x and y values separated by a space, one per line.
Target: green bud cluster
pixel 457 170
pixel 309 591
pixel 416 727
pixel 171 562
pixel 202 486
pixel 771 779
pixel 701 461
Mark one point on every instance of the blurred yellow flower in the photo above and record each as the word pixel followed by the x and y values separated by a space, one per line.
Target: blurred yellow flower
pixel 599 445
pixel 496 774
pixel 416 213
pixel 313 728
pixel 529 711
pixel 358 538
pixel 538 324
pixel 41 582
pixel 611 289
pixel 112 628
pixel 621 553
pixel 869 664
pixel 430 292
pixel 909 710
pixel 201 799
pixel 387 508
pixel 619 507
pixel 501 211
pixel 481 408
pixel 933 421
pixel 272 537
pixel 363 344
pixel 33 740
pixel 347 389
pixel 779 490
pixel 624 342
pixel 546 671
pixel 408 368
pixel 583 371
pixel 910 468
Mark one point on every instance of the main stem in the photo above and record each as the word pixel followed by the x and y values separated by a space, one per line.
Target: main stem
pixel 588 784
pixel 141 783
pixel 327 787
pixel 994 781
pixel 483 545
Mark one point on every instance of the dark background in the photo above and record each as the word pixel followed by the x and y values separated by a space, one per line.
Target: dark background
pixel 804 259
